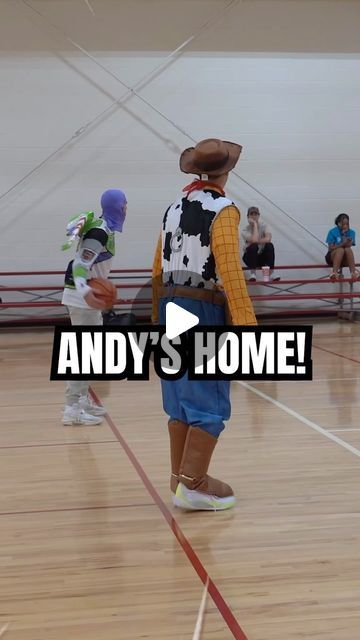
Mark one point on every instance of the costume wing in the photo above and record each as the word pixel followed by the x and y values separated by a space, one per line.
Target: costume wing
pixel 75 227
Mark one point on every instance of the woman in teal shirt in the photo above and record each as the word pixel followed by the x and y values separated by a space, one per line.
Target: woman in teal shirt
pixel 340 239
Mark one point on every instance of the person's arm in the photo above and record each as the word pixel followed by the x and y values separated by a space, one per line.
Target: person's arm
pixel 266 237
pixel 350 240
pixel 330 238
pixel 226 250
pixel 246 237
pixel 89 248
pixel 156 281
pixel 254 236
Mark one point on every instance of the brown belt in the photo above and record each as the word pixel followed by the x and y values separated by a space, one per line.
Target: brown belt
pixel 205 295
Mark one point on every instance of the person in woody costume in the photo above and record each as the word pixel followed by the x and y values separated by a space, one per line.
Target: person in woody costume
pixel 197 249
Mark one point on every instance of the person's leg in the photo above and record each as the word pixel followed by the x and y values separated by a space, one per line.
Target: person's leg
pixel 328 258
pixel 201 403
pixel 76 394
pixel 177 425
pixel 349 261
pixel 170 388
pixel 197 410
pixel 267 257
pixel 251 259
pixel 336 257
pixel 207 405
pixel 178 431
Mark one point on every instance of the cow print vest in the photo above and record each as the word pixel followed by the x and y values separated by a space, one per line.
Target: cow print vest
pixel 187 258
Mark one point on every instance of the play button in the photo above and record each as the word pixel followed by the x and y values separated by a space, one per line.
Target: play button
pixel 178 320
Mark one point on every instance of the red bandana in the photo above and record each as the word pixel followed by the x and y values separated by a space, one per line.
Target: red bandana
pixel 199 185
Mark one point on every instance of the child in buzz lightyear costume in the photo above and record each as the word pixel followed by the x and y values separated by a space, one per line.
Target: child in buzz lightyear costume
pixel 95 250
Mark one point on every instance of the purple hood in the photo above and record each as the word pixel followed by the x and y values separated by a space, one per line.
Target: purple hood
pixel 113 204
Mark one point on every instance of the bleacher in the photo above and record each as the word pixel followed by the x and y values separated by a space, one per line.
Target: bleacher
pixel 305 293
pixel 34 297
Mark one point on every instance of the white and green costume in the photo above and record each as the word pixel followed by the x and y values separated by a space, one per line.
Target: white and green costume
pixel 93 259
pixel 95 250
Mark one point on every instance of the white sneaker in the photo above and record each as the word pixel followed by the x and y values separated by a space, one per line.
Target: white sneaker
pixel 191 500
pixel 88 405
pixel 274 277
pixel 76 415
pixel 252 276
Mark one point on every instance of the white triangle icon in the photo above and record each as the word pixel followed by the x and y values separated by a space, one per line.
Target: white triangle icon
pixel 178 320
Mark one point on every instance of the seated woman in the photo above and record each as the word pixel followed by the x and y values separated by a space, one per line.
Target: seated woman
pixel 259 250
pixel 340 239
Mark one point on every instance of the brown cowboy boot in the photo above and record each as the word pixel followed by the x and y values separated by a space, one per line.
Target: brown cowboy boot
pixel 177 432
pixel 196 490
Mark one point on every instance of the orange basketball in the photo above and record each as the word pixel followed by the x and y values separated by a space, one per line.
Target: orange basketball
pixel 104 290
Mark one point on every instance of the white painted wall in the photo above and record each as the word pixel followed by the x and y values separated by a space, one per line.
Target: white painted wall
pixel 296 115
pixel 297 118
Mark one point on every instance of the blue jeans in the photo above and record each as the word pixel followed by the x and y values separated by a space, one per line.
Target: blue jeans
pixel 198 403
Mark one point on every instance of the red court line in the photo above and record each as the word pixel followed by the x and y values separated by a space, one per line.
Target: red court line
pixel 53 444
pixel 333 353
pixel 97 508
pixel 218 600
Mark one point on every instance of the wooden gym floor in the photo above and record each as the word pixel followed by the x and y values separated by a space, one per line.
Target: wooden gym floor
pixel 91 548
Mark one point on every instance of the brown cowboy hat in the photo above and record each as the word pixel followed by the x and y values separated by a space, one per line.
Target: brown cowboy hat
pixel 211 156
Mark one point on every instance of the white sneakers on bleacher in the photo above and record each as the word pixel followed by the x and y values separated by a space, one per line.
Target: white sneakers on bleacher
pixel 274 277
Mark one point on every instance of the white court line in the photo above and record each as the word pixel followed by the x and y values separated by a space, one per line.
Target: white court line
pixel 345 429
pixel 3 629
pixel 301 418
pixel 199 621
